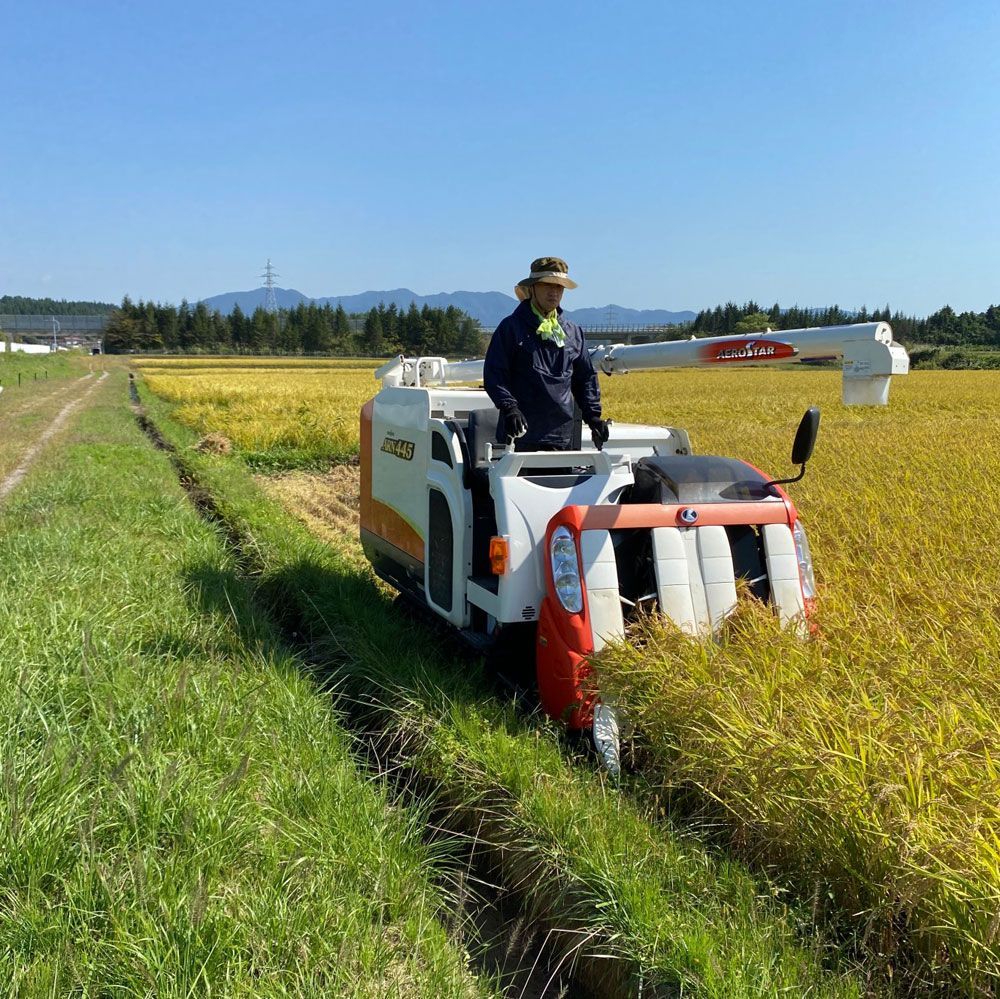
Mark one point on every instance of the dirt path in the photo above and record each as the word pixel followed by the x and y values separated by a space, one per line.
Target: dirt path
pixel 49 391
pixel 32 448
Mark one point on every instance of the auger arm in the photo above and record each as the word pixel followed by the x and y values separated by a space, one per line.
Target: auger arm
pixel 413 372
pixel 869 354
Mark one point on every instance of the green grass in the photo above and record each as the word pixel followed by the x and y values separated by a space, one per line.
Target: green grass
pixel 640 905
pixel 314 458
pixel 954 356
pixel 180 814
pixel 39 367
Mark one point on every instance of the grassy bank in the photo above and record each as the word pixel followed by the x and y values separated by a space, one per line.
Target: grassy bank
pixel 35 368
pixel 180 813
pixel 637 904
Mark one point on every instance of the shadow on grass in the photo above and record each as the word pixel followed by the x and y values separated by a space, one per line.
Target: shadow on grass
pixel 379 657
pixel 374 654
pixel 379 660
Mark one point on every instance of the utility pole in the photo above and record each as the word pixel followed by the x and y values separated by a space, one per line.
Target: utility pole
pixel 55 330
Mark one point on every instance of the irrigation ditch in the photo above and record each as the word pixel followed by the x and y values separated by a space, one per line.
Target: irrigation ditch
pixel 507 936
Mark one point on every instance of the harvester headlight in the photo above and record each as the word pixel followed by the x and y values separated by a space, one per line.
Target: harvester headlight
pixel 566 570
pixel 563 547
pixel 805 561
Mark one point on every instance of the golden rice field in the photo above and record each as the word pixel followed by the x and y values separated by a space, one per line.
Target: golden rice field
pixel 863 761
pixel 278 413
pixel 869 754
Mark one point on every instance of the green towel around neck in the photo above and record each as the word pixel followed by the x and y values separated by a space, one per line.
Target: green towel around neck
pixel 549 328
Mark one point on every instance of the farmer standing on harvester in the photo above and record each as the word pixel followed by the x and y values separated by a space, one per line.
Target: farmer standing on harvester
pixel 537 366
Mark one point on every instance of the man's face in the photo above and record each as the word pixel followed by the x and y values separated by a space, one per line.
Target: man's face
pixel 547 296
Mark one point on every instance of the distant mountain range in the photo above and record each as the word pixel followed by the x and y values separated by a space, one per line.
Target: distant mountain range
pixel 488 307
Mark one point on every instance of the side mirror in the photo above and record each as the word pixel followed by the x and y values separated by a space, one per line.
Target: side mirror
pixel 802 447
pixel 805 436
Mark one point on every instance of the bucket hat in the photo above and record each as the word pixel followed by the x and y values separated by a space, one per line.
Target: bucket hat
pixel 552 270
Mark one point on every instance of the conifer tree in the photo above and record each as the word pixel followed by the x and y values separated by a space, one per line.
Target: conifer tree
pixel 390 329
pixel 412 329
pixel 373 333
pixel 754 322
pixel 288 332
pixel 201 328
pixel 120 334
pixel 239 329
pixel 221 332
pixel 342 330
pixel 262 331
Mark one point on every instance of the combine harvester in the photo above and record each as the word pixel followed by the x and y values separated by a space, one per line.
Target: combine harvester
pixel 548 553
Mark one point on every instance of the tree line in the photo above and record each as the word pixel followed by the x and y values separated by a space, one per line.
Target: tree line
pixel 139 327
pixel 385 330
pixel 942 328
pixel 18 305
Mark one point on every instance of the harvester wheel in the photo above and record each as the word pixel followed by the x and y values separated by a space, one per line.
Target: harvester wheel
pixel 606 736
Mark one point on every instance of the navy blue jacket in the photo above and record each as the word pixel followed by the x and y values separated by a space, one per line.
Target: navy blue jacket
pixel 540 378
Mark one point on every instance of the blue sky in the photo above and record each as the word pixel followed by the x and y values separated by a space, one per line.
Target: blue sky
pixel 676 154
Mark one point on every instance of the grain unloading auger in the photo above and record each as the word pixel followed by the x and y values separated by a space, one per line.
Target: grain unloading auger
pixel 546 554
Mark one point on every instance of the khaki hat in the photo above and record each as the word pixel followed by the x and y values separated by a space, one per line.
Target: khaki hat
pixel 551 270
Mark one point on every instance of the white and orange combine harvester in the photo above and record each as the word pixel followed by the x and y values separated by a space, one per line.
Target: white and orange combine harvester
pixel 546 554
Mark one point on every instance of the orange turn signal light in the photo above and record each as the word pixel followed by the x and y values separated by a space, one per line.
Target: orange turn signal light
pixel 499 555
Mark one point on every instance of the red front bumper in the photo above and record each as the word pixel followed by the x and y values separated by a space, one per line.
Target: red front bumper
pixel 565 640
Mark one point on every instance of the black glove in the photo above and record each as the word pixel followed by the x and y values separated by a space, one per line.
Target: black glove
pixel 599 433
pixel 514 423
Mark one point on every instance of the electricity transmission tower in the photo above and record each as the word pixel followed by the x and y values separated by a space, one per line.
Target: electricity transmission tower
pixel 270 302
